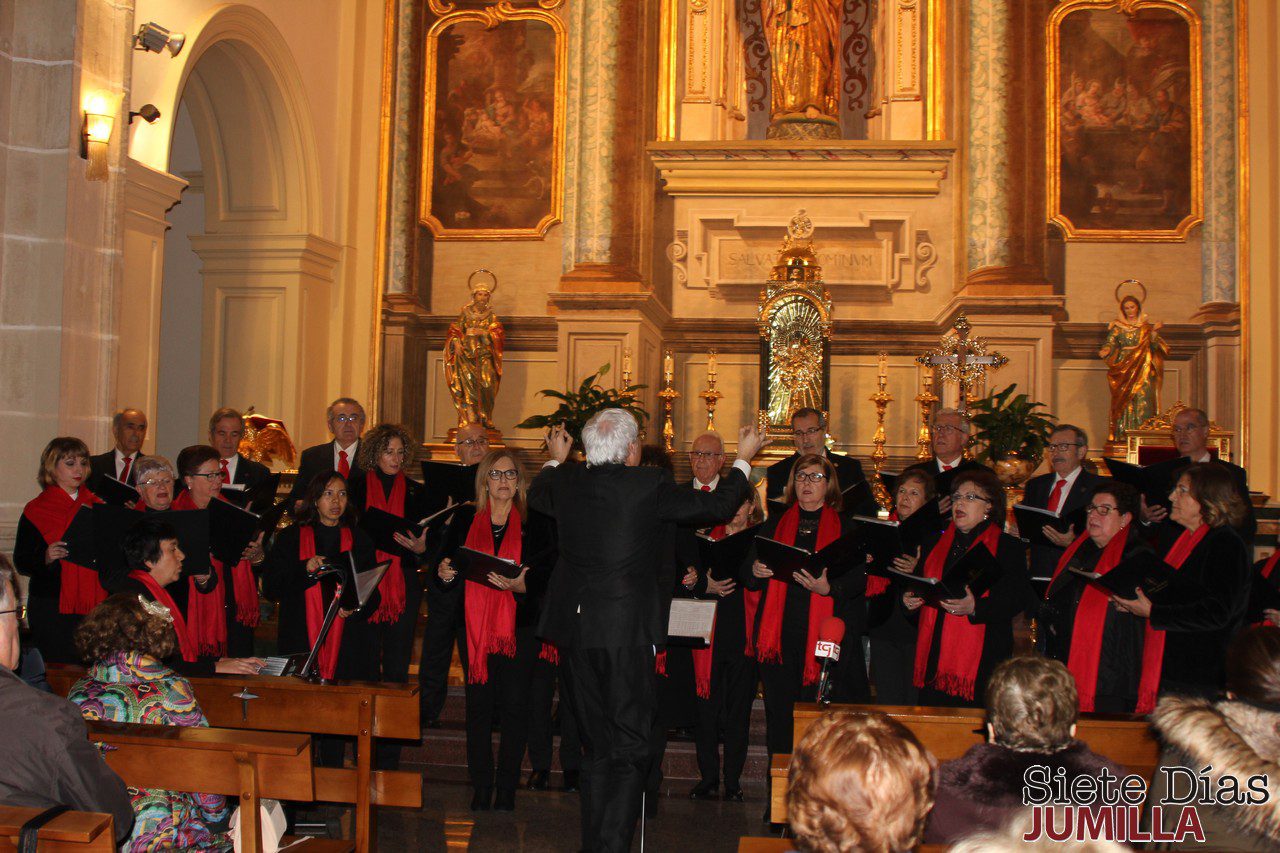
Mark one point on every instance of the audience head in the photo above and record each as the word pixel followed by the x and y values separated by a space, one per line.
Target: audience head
pixel 948 434
pixel 813 483
pixel 471 443
pixel 10 615
pixel 976 495
pixel 64 463
pixel 226 428
pixel 1206 494
pixel 500 479
pixel 129 427
pixel 809 431
pixel 154 480
pixel 200 467
pixel 654 456
pixel 386 448
pixel 1191 433
pixel 1032 704
pixel 913 489
pixel 345 417
pixel 325 502
pixel 152 546
pixel 126 622
pixel 1113 508
pixel 1068 446
pixel 859 782
pixel 1253 666
pixel 706 456
pixel 609 435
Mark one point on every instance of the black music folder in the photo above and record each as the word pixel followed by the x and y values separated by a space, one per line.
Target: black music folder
pixel 446 480
pixel 1159 581
pixel 722 558
pixel 109 528
pixel 1154 489
pixel 978 569
pixel 476 566
pixel 78 537
pixel 259 499
pixel 786 560
pixel 382 526
pixel 115 492
pixel 231 529
pixel 1032 520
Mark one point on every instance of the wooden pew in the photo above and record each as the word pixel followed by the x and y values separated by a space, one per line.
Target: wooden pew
pixel 949 732
pixel 362 710
pixel 68 832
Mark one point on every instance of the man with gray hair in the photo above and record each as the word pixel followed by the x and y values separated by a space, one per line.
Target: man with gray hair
pixel 44 749
pixel 345 417
pixel 948 436
pixel 129 429
pixel 604 607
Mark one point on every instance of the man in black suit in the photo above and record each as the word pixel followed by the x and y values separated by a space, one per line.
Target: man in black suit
pixel 809 432
pixel 948 435
pixel 226 428
pixel 346 420
pixel 129 427
pixel 1191 435
pixel 603 606
pixel 1063 490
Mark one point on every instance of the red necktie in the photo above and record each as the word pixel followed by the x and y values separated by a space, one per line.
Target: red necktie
pixel 124 472
pixel 344 467
pixel 706 488
pixel 226 472
pixel 1055 497
pixel 947 467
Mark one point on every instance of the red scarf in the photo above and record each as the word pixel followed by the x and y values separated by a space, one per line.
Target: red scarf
pixel 391 588
pixel 1090 618
pixel 1267 568
pixel 242 578
pixel 316 605
pixel 768 645
pixel 961 648
pixel 1153 648
pixel 185 647
pixel 490 614
pixel 207 610
pixel 52 512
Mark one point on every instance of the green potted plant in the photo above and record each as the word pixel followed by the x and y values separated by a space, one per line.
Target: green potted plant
pixel 1013 431
pixel 577 407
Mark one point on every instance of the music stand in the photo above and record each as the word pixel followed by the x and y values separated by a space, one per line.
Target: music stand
pixel 366 582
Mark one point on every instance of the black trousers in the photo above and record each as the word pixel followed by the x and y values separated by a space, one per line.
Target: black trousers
pixel 53 633
pixel 612 693
pixel 726 714
pixel 892 665
pixel 676 690
pixel 783 688
pixel 542 691
pixel 506 692
pixel 444 628
pixel 239 636
pixel 657 739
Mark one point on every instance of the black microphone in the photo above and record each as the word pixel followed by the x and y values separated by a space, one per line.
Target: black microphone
pixel 828 650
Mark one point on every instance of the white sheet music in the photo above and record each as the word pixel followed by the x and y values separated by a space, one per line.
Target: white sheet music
pixel 691 618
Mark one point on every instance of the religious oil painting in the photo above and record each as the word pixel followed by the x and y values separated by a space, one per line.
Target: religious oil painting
pixel 493 126
pixel 1124 116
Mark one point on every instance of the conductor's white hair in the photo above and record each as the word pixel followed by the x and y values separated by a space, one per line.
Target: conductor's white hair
pixel 608 436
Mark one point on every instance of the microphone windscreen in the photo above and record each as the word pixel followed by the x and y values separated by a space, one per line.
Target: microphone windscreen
pixel 832 630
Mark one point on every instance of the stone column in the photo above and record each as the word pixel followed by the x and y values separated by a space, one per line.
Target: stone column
pixel 900 71
pixel 1218 235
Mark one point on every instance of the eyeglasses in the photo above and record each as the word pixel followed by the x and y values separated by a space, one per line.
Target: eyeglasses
pixel 503 473
pixel 1101 509
pixel 946 428
pixel 166 481
pixel 1185 428
pixel 21 610
pixel 470 442
pixel 971 497
pixel 814 477
pixel 704 454
pixel 1064 447
pixel 805 433
pixel 348 419
pixel 210 477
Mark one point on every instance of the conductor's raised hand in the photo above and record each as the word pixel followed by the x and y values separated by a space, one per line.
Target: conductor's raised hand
pixel 559 443
pixel 750 442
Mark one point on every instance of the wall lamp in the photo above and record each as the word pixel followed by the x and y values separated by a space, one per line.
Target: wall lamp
pixel 95 135
pixel 155 38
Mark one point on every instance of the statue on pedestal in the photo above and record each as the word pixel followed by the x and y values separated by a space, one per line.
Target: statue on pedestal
pixel 473 354
pixel 1135 354
pixel 804 52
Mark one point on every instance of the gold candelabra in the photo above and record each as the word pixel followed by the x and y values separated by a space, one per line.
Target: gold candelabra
pixel 626 369
pixel 710 395
pixel 668 395
pixel 882 399
pixel 926 398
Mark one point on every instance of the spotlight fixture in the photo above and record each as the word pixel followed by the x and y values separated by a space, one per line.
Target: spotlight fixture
pixel 146 112
pixel 155 38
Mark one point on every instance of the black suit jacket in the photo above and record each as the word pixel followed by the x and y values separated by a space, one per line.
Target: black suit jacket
pixel 848 472
pixel 314 461
pixel 615 550
pixel 1043 558
pixel 1168 473
pixel 249 473
pixel 104 465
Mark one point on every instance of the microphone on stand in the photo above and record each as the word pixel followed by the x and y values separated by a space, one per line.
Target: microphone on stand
pixel 828 650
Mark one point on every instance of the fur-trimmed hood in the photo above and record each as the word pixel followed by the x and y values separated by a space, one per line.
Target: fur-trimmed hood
pixel 1237 740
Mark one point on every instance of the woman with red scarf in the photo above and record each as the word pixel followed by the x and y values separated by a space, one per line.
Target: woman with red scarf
pixel 221 616
pixel 788 616
pixel 60 592
pixel 500 618
pixel 1078 620
pixel 959 643
pixel 1188 634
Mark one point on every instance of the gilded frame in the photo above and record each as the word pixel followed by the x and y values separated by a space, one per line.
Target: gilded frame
pixel 491 17
pixel 1070 230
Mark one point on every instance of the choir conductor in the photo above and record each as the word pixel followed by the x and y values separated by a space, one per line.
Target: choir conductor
pixel 603 607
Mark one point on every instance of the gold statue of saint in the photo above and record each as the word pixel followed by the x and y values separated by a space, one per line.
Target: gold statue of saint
pixel 1135 354
pixel 473 355
pixel 804 50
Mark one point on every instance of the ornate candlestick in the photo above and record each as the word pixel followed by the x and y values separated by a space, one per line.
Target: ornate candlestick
pixel 926 398
pixel 626 369
pixel 711 396
pixel 882 399
pixel 668 395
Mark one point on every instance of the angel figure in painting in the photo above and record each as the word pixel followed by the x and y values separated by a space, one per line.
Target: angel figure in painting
pixel 473 354
pixel 1135 355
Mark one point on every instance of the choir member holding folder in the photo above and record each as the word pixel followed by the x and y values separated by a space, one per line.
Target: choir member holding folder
pixel 1062 493
pixel 501 555
pixel 1190 626
pixel 1078 619
pixel 980 573
pixel 54 548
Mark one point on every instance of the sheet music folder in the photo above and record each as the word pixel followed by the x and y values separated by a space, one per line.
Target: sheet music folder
pixel 691 622
pixel 722 558
pixel 978 569
pixel 1032 521
pixel 476 566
